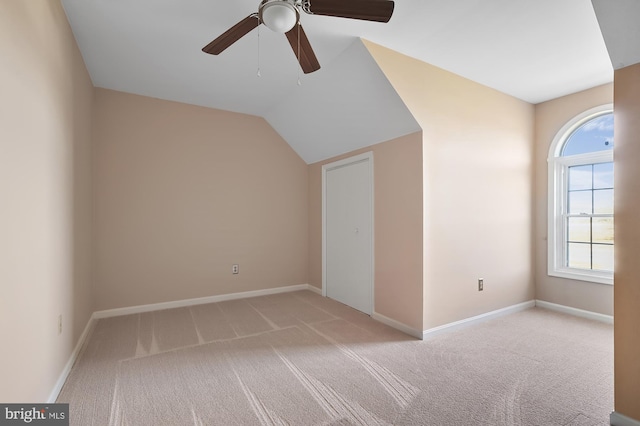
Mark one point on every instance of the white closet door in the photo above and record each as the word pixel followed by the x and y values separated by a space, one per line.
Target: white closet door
pixel 349 233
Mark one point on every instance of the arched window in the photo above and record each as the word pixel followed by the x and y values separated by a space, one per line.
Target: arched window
pixel 581 198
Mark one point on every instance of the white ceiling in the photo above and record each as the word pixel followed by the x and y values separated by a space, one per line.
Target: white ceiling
pixel 312 118
pixel 619 21
pixel 534 50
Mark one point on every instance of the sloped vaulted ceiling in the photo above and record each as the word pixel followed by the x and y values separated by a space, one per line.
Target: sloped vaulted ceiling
pixel 346 105
pixel 532 50
pixel 352 106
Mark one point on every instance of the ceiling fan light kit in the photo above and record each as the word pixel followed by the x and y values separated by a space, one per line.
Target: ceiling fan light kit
pixel 278 15
pixel 283 16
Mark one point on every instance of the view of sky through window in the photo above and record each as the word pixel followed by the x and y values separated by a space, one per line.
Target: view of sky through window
pixel 594 135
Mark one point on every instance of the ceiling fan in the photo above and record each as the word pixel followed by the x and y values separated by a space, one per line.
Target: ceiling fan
pixel 283 16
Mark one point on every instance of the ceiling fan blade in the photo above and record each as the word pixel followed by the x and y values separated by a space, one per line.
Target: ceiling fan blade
pixel 367 10
pixel 232 35
pixel 302 49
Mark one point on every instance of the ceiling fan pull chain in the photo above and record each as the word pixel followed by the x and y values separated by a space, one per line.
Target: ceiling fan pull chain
pixel 299 82
pixel 258 73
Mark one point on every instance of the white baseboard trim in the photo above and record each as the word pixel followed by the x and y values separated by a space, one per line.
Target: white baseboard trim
pixel 478 318
pixel 575 311
pixel 617 419
pixel 198 301
pixel 314 289
pixel 397 325
pixel 72 359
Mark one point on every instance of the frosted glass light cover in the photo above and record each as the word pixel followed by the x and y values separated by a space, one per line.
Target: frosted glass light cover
pixel 279 17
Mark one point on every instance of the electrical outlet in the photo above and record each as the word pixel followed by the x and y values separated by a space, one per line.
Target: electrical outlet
pixel 59 324
pixel 235 269
pixel 480 284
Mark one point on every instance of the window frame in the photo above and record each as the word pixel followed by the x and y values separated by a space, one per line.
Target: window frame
pixel 558 167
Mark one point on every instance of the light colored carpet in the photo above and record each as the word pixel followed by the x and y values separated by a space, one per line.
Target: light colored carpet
pixel 301 359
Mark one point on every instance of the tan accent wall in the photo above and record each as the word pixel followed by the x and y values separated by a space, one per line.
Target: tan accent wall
pixel 551 116
pixel 45 200
pixel 397 169
pixel 182 193
pixel 478 184
pixel 627 238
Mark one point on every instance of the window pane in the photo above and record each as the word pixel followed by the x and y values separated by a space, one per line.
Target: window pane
pixel 603 175
pixel 603 230
pixel 580 202
pixel 580 177
pixel 579 229
pixel 579 256
pixel 603 201
pixel 603 257
pixel 594 135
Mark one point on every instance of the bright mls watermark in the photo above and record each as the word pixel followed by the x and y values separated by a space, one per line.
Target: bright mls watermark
pixel 35 414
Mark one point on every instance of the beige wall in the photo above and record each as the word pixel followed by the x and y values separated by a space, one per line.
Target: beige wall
pixel 627 237
pixel 397 169
pixel 45 108
pixel 182 193
pixel 478 183
pixel 551 116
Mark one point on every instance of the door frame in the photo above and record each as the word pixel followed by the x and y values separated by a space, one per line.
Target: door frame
pixel 365 157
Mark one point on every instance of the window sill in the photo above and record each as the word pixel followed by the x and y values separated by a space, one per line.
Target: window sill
pixel 576 274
